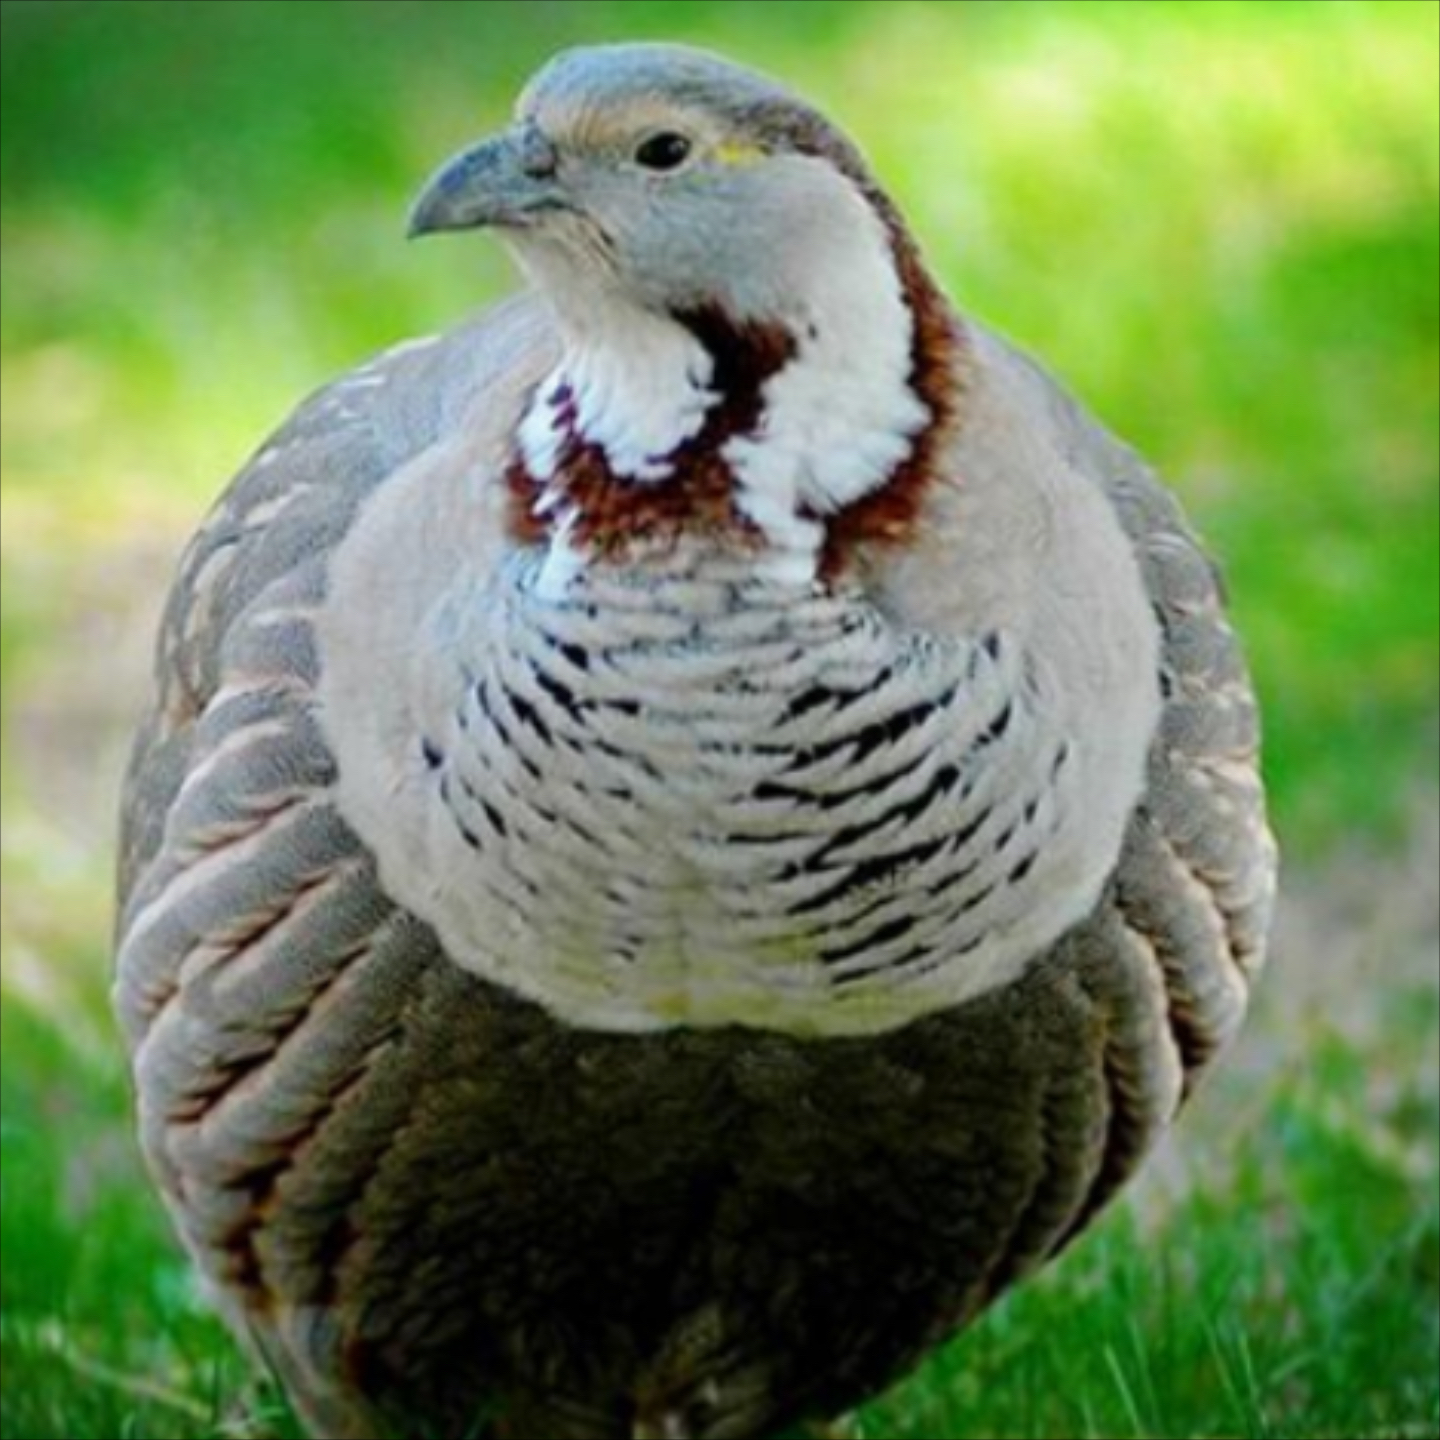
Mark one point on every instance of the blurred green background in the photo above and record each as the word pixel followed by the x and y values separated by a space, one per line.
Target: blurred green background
pixel 1220 221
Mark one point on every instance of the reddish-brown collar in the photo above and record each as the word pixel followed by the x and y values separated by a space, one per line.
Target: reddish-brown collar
pixel 609 514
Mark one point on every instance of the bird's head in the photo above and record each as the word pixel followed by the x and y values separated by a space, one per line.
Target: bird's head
pixel 663 176
pixel 752 346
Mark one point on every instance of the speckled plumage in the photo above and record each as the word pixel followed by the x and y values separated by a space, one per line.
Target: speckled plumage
pixel 434 892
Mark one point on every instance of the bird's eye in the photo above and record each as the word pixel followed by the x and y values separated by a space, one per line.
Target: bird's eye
pixel 667 151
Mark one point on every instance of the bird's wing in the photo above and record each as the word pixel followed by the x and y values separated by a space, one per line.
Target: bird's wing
pixel 260 965
pixel 1173 948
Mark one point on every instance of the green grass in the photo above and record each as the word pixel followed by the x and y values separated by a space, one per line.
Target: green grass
pixel 1220 221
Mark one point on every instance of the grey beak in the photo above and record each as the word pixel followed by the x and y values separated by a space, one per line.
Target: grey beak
pixel 505 181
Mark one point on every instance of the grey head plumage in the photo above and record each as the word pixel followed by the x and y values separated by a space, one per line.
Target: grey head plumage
pixel 676 171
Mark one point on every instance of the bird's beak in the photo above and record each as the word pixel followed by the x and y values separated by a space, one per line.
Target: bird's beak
pixel 506 181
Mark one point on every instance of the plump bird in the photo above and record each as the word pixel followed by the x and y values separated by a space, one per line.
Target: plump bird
pixel 693 830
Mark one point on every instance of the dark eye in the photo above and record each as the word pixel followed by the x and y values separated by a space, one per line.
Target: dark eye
pixel 667 151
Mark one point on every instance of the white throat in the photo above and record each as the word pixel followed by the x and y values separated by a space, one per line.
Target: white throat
pixel 633 383
pixel 836 423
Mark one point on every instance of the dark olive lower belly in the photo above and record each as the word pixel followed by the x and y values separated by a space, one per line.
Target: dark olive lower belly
pixel 515 1214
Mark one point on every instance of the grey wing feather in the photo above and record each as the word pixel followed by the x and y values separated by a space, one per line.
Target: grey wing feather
pixel 1196 883
pixel 261 969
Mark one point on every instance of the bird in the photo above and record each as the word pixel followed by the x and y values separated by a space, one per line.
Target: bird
pixel 694 829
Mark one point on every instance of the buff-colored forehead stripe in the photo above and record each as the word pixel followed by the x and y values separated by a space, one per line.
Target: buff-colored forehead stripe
pixel 605 126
